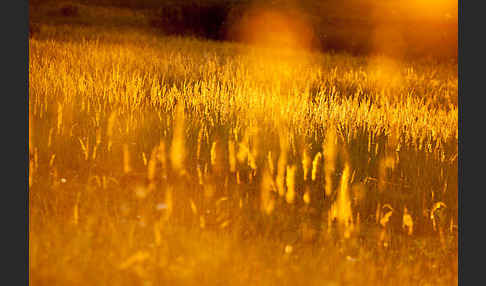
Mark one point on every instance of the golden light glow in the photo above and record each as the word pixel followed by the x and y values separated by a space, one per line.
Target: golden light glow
pixel 273 28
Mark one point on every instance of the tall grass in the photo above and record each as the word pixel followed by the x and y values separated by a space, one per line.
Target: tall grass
pixel 286 166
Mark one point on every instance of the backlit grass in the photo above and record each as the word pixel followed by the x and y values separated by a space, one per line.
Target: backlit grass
pixel 164 160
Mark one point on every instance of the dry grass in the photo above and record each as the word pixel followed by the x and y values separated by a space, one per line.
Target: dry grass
pixel 160 161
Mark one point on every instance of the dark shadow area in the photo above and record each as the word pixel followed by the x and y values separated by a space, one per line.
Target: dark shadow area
pixel 351 26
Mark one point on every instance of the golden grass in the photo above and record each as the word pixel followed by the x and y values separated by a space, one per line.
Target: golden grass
pixel 177 161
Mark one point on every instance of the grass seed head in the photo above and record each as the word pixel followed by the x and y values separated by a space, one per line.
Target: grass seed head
pixel 178 149
pixel 290 180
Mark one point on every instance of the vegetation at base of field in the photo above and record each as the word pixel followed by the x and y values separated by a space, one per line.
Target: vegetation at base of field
pixel 167 160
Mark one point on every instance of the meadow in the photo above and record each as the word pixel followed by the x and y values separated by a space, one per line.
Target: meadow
pixel 165 160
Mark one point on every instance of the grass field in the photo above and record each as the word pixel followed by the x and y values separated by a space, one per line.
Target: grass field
pixel 178 161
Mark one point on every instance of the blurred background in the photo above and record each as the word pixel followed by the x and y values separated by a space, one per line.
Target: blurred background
pixel 401 28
